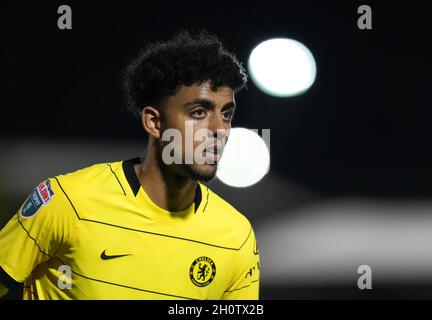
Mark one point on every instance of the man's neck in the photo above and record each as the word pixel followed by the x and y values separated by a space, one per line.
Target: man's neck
pixel 171 193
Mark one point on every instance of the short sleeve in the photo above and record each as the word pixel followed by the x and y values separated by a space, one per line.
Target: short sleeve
pixel 37 232
pixel 247 272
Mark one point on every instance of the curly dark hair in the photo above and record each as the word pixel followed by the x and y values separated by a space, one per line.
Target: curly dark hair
pixel 189 57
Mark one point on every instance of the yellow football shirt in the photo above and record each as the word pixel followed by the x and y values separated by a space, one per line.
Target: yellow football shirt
pixel 95 234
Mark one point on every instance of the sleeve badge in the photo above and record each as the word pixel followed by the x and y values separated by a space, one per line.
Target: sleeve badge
pixel 40 196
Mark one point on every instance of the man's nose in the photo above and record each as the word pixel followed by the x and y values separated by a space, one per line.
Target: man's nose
pixel 217 123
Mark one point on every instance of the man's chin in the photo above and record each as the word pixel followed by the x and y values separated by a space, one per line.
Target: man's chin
pixel 203 173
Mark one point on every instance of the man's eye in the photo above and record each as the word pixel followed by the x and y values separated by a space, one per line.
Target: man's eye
pixel 228 115
pixel 200 113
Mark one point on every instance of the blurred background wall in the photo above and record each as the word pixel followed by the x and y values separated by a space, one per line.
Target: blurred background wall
pixel 349 182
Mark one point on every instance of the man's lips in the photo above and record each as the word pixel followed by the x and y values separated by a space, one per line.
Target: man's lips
pixel 213 153
pixel 215 149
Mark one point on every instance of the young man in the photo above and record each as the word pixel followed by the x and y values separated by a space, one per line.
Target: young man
pixel 145 228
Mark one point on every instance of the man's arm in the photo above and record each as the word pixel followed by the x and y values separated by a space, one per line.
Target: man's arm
pixel 35 233
pixel 3 291
pixel 9 288
pixel 247 271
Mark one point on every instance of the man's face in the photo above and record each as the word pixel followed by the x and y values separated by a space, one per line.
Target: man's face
pixel 203 118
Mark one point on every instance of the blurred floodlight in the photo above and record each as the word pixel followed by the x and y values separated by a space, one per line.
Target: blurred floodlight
pixel 282 67
pixel 245 160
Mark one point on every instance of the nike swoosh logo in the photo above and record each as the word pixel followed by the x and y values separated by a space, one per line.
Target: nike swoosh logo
pixel 104 256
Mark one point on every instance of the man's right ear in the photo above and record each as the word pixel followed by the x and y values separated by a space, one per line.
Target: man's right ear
pixel 150 119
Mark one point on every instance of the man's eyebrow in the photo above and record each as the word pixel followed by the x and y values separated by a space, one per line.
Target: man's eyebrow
pixel 208 104
pixel 229 105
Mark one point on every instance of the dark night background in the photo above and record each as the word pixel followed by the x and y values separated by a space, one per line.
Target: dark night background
pixel 360 133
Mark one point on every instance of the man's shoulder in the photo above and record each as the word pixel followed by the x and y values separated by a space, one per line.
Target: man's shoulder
pixel 227 214
pixel 68 192
pixel 90 174
pixel 88 185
